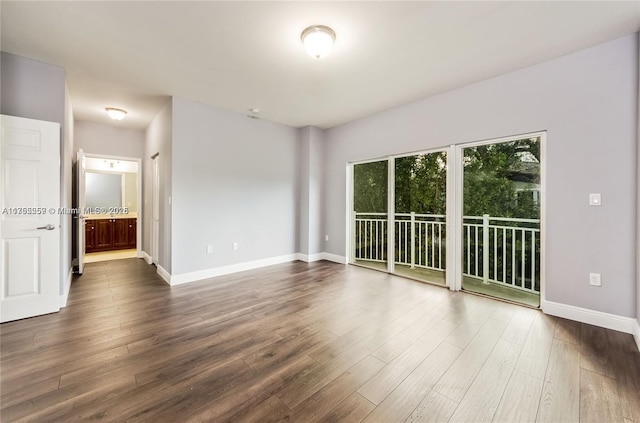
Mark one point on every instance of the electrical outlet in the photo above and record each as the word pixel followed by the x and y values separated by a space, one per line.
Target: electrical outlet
pixel 209 249
pixel 235 245
pixel 594 279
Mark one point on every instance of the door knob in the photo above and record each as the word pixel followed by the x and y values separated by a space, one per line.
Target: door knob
pixel 49 227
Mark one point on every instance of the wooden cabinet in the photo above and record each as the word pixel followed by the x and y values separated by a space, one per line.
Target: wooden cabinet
pixel 109 234
pixel 120 233
pixel 89 235
pixel 104 231
pixel 132 232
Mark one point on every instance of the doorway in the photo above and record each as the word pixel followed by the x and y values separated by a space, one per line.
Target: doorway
pixel 110 201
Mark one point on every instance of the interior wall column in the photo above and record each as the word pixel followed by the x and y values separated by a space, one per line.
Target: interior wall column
pixel 311 152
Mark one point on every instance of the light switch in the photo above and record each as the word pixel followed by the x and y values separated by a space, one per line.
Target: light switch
pixel 595 199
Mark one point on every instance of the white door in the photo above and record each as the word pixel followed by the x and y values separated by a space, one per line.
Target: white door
pixel 29 223
pixel 80 183
pixel 155 204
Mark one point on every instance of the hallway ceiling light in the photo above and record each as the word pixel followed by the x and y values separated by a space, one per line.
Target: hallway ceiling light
pixel 116 114
pixel 318 40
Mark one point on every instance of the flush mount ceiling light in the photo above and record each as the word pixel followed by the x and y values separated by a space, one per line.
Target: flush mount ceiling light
pixel 318 40
pixel 116 114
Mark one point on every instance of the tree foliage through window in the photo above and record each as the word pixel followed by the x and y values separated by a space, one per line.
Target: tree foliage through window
pixel 500 179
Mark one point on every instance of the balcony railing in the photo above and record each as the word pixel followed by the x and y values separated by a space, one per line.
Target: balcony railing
pixel 499 250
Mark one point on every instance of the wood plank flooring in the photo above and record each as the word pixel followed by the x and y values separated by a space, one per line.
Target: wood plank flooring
pixel 306 342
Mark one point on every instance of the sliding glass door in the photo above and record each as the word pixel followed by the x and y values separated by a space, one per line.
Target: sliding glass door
pixel 420 216
pixel 501 220
pixel 479 202
pixel 369 216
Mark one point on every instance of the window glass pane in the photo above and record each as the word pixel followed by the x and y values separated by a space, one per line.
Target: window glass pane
pixel 370 214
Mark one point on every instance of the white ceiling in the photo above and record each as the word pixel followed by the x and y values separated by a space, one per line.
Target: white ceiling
pixel 239 55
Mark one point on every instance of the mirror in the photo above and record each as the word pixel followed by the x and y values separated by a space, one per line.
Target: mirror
pixel 103 190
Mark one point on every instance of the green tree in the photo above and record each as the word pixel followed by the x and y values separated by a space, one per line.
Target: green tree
pixel 421 183
pixel 497 181
pixel 492 174
pixel 370 187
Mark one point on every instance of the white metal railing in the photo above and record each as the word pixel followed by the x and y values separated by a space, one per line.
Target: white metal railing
pixel 495 249
pixel 371 236
pixel 421 238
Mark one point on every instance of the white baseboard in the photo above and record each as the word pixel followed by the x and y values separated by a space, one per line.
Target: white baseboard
pixel 308 258
pixel 592 317
pixel 164 274
pixel 240 267
pixel 334 258
pixel 226 270
pixel 146 257
pixel 636 333
pixel 67 287
pixel 321 256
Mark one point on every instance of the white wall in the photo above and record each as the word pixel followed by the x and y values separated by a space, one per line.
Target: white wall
pixel 109 140
pixel 36 90
pixel 32 89
pixel 158 139
pixel 234 180
pixel 587 103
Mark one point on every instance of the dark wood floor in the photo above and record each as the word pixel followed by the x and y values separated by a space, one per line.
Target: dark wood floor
pixel 302 342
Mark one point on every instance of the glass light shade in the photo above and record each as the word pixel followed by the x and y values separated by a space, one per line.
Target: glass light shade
pixel 116 114
pixel 318 40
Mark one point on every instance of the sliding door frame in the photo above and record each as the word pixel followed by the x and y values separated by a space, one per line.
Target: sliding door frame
pixel 459 201
pixel 454 206
pixel 391 214
pixel 391 207
pixel 350 241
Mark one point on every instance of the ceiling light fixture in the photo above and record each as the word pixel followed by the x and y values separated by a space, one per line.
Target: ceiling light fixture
pixel 116 114
pixel 318 40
